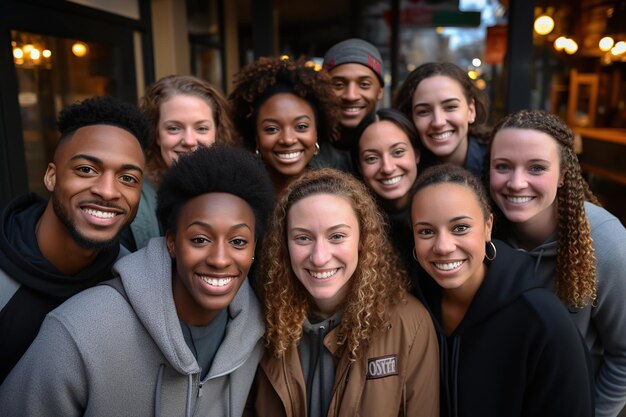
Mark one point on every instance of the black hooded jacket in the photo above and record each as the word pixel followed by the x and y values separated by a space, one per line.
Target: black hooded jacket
pixel 516 351
pixel 30 286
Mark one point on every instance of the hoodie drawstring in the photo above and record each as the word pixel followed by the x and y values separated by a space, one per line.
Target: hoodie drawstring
pixel 157 393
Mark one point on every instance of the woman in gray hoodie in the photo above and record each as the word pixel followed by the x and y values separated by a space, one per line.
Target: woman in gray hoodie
pixel 179 333
pixel 547 210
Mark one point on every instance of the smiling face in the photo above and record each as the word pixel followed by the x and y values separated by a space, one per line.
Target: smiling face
pixel 442 116
pixel 213 249
pixel 286 133
pixel 185 122
pixel 524 171
pixel 323 241
pixel 359 90
pixel 95 181
pixel 450 234
pixel 388 161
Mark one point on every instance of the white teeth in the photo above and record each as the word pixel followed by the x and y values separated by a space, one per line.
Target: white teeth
pixel 518 200
pixel 289 155
pixel 323 275
pixel 352 109
pixel 392 181
pixel 216 282
pixel 449 266
pixel 443 135
pixel 100 214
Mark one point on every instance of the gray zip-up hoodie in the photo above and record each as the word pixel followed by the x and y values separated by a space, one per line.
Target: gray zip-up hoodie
pixel 603 325
pixel 100 354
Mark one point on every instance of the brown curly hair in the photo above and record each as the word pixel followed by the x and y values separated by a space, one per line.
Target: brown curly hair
pixel 174 85
pixel 377 282
pixel 266 77
pixel 575 282
pixel 404 97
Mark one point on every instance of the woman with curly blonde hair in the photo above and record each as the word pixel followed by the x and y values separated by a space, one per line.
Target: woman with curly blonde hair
pixel 547 209
pixel 286 112
pixel 184 112
pixel 343 335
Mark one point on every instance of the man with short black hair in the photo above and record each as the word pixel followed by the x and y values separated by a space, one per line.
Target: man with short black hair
pixel 51 250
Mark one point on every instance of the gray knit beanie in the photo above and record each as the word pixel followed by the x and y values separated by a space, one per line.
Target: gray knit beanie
pixel 355 51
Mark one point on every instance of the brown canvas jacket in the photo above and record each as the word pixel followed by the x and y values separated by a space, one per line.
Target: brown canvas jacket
pixel 398 375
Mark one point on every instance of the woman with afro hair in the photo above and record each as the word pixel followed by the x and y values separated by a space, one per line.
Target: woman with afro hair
pixel 343 336
pixel 547 209
pixel 287 114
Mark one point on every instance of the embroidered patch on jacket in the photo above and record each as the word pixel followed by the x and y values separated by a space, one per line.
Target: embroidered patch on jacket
pixel 382 367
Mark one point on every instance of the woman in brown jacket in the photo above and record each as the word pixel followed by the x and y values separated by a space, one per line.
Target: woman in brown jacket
pixel 343 335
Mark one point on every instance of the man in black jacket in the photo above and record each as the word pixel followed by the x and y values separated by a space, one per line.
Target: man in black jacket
pixel 51 250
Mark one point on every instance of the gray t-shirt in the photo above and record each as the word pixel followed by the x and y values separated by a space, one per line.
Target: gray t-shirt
pixel 205 340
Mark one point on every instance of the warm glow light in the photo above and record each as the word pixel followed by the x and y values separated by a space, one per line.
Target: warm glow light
pixel 571 47
pixel 481 84
pixel 472 74
pixel 18 53
pixel 27 48
pixel 439 29
pixel 317 67
pixel 476 62
pixel 284 57
pixel 606 43
pixel 544 25
pixel 35 54
pixel 46 53
pixel 79 49
pixel 619 48
pixel 560 43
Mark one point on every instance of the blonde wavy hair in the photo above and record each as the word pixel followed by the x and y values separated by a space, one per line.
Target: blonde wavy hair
pixel 377 282
pixel 575 282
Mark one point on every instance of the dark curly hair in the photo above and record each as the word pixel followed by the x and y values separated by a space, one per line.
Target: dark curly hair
pixel 103 110
pixel 185 85
pixel 257 82
pixel 377 282
pixel 575 281
pixel 215 169
pixel 404 96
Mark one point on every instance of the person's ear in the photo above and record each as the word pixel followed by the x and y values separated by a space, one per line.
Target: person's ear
pixel 171 245
pixel 488 228
pixel 50 177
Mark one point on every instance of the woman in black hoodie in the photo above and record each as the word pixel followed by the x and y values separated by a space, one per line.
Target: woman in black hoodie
pixel 507 346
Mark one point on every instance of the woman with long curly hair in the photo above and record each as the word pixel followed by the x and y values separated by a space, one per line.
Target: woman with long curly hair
pixel 449 112
pixel 183 112
pixel 546 208
pixel 343 335
pixel 286 112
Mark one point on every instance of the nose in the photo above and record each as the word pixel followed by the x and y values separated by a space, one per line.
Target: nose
pixel 387 165
pixel 320 254
pixel 517 180
pixel 189 139
pixel 444 244
pixel 351 92
pixel 106 186
pixel 288 137
pixel 217 256
pixel 439 118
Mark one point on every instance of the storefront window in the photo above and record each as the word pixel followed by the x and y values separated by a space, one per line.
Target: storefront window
pixel 52 73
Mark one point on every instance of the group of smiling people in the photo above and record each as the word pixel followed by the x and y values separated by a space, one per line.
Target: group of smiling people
pixel 299 253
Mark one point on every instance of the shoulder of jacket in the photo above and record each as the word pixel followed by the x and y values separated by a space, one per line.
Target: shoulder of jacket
pixel 8 288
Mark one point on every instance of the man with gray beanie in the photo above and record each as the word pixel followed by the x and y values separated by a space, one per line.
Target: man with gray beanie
pixel 356 69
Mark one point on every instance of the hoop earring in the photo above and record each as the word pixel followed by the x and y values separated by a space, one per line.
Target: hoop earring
pixel 317 148
pixel 493 248
pixel 414 254
pixel 257 152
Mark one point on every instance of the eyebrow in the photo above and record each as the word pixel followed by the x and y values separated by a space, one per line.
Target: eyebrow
pixel 452 220
pixel 330 229
pixel 209 226
pixel 393 145
pixel 446 101
pixel 269 119
pixel 99 161
pixel 535 160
